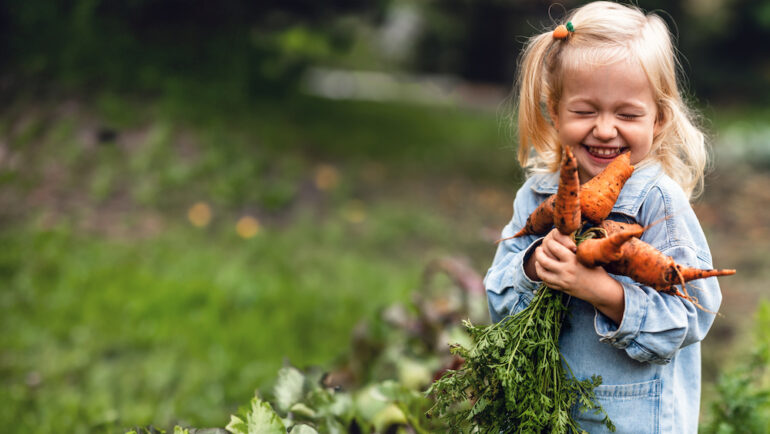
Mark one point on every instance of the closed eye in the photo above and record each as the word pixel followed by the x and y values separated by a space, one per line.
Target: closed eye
pixel 628 116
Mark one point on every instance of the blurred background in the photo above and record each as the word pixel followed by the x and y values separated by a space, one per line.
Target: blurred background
pixel 194 193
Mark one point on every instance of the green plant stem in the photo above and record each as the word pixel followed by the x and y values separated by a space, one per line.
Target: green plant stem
pixel 537 301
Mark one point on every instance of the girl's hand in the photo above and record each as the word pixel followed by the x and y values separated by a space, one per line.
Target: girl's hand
pixel 556 264
pixel 555 261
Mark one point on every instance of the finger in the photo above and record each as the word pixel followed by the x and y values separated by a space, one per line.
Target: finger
pixel 561 253
pixel 547 277
pixel 547 247
pixel 565 240
pixel 549 264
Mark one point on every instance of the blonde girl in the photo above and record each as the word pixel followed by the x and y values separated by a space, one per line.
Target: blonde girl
pixel 606 86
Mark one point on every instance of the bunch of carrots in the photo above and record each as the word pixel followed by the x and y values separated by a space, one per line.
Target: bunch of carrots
pixel 512 378
pixel 618 249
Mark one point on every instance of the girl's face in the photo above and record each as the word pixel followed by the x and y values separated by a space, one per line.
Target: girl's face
pixel 603 112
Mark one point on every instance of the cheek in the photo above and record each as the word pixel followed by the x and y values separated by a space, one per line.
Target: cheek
pixel 572 131
pixel 641 135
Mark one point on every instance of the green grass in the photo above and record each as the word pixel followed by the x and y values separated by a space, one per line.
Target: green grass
pixel 182 327
pixel 117 312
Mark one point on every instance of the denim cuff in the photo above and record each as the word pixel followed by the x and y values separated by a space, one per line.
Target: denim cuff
pixel 513 275
pixel 521 279
pixel 636 303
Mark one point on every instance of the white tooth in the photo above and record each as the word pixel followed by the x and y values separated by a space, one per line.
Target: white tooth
pixel 603 152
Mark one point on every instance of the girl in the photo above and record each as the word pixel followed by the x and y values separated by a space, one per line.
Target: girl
pixel 606 88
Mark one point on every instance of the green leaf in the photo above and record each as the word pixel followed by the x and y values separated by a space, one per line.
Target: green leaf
pixel 332 426
pixel 236 425
pixel 288 388
pixel 261 419
pixel 341 406
pixel 300 410
pixel 179 430
pixel 303 429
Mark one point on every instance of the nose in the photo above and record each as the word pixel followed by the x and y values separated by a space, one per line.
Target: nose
pixel 605 129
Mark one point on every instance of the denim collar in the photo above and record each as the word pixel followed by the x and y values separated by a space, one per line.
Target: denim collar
pixel 632 195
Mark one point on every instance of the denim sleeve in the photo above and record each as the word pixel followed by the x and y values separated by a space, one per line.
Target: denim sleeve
pixel 509 290
pixel 656 325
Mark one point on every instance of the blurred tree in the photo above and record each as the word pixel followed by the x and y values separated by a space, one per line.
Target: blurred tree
pixel 235 47
pixel 239 49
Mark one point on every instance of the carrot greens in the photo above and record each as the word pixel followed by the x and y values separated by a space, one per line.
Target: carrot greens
pixel 513 379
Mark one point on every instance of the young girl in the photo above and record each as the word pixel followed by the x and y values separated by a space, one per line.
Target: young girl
pixel 606 88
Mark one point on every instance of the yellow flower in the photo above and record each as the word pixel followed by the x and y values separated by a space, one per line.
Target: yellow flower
pixel 199 214
pixel 247 227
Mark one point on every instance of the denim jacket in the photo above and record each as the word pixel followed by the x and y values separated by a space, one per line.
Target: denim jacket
pixel 650 363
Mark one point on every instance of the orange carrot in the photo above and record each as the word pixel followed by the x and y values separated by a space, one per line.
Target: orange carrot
pixel 601 251
pixel 613 227
pixel 598 195
pixel 689 274
pixel 566 206
pixel 541 219
pixel 646 265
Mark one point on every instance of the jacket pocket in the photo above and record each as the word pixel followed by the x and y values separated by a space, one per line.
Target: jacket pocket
pixel 520 304
pixel 633 408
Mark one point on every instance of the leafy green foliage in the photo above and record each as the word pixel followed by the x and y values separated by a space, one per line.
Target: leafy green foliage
pixel 743 405
pixel 512 379
pixel 177 430
pixel 260 419
pixel 309 407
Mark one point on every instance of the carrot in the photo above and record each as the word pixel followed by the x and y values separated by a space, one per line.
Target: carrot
pixel 600 251
pixel 613 227
pixel 646 265
pixel 566 206
pixel 540 220
pixel 598 195
pixel 689 274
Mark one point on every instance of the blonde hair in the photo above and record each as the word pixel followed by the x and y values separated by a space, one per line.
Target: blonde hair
pixel 605 33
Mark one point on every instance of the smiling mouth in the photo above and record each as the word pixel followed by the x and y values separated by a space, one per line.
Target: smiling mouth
pixel 605 152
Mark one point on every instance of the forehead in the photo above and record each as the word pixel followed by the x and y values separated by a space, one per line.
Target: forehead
pixel 607 81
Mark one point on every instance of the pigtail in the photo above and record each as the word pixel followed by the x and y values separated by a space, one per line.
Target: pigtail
pixel 680 145
pixel 535 131
pixel 682 150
